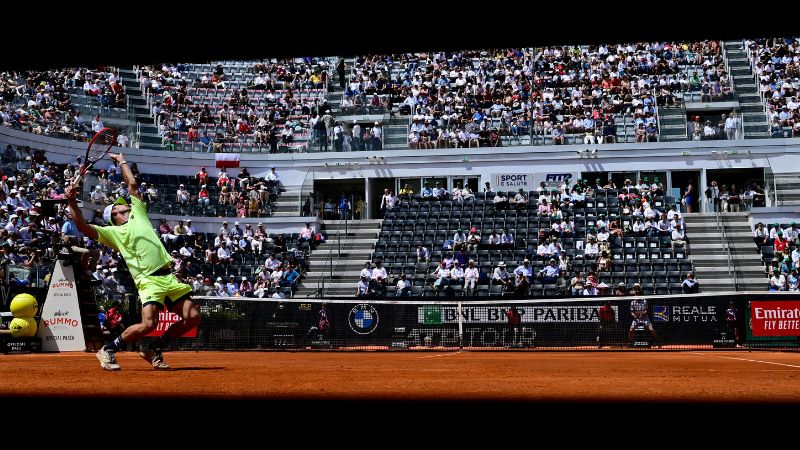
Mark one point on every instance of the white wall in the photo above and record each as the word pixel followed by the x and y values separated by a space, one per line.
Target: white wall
pixel 779 154
pixel 768 216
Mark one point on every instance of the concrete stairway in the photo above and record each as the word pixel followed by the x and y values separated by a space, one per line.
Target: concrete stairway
pixel 287 204
pixel 396 133
pixel 149 137
pixel 673 124
pixel 357 246
pixel 752 109
pixel 788 189
pixel 711 260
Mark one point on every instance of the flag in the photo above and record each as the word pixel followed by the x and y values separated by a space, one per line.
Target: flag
pixel 227 160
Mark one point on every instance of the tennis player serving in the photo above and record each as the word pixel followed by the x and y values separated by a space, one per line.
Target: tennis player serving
pixel 149 263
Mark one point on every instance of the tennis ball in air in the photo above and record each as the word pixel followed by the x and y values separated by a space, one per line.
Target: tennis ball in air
pixel 23 327
pixel 24 306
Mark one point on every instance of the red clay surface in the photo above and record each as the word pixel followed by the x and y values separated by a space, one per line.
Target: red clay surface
pixel 547 376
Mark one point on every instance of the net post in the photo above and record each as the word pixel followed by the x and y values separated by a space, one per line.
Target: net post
pixel 460 328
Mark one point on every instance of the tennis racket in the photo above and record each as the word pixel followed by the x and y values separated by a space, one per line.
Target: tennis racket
pixel 99 147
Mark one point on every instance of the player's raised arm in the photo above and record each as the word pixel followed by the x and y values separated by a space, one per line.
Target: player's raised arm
pixel 127 175
pixel 71 193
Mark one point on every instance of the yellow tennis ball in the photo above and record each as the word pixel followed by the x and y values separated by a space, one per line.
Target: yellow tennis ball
pixel 24 306
pixel 23 327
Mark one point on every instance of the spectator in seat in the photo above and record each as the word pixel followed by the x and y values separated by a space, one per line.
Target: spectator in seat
pixel 201 177
pixel 522 286
pixel 403 287
pixel 99 197
pixel 520 201
pixel 577 285
pixel 777 282
pixel 439 193
pixel 652 132
pixel 549 274
pixel 427 192
pixel 500 201
pixel 405 192
pixel 609 132
pixel 471 276
pixel 423 254
pixel 290 277
pixel 678 236
pixel 592 249
pixel 501 276
pixel 306 234
pixel 507 239
pixel 604 262
pixel 760 236
pixel 203 196
pixel 641 133
pixel 558 135
pixel 183 196
pixel 690 285
pixel 442 275
pixel 493 240
pixel 459 240
pixel 473 240
pixel 525 269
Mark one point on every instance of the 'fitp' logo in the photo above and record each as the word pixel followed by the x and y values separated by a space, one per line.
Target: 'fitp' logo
pixel 363 319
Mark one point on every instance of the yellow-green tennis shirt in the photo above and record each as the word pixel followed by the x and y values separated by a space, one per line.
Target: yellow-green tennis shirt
pixel 137 242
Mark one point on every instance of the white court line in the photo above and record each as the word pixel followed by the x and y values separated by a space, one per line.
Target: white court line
pixel 749 360
pixel 443 354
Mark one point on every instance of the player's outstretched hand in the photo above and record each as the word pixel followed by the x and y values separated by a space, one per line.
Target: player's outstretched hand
pixel 70 192
pixel 116 157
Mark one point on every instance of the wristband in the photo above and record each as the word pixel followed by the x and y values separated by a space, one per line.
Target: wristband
pixel 123 162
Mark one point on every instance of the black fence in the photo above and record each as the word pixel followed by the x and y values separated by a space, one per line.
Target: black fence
pixel 704 321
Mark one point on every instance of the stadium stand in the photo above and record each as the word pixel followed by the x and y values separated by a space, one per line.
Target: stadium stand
pixel 581 98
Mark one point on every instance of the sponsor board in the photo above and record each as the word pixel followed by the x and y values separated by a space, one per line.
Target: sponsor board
pixel 770 318
pixel 437 315
pixel 363 319
pixel 513 181
pixel 165 320
pixel 684 313
pixel 552 180
pixel 61 328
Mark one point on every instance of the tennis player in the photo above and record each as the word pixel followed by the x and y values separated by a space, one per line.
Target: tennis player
pixel 132 234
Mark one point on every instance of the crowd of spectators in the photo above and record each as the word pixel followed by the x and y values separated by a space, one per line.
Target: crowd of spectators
pixel 201 195
pixel 776 66
pixel 731 198
pixel 727 127
pixel 31 241
pixel 274 107
pixel 779 246
pixel 239 260
pixel 566 237
pixel 40 102
pixel 550 91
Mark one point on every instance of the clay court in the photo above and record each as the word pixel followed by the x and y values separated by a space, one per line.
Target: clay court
pixel 699 376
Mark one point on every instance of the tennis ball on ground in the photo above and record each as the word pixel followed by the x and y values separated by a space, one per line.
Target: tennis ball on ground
pixel 24 306
pixel 23 327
